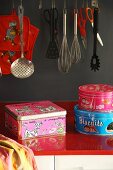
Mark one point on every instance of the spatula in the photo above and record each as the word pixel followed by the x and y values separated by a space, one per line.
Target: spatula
pixel 51 16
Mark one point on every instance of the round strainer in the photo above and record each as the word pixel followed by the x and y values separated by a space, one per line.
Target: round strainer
pixel 22 68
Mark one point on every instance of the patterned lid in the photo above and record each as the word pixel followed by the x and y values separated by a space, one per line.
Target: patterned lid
pixel 34 110
pixel 96 89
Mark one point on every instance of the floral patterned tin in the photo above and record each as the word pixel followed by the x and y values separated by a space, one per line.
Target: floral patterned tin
pixel 28 120
pixel 96 97
pixel 93 123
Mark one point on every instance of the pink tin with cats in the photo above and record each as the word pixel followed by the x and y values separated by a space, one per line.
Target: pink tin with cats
pixel 28 120
pixel 96 97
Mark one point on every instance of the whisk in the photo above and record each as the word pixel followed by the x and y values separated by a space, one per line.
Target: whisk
pixel 75 48
pixel 64 60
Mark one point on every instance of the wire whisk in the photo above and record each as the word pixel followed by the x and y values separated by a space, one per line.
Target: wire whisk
pixel 64 60
pixel 75 48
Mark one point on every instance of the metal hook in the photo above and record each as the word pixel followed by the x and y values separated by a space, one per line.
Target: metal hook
pixel 40 4
pixel 64 4
pixel 94 3
pixel 76 4
pixel 13 4
pixel 53 3
pixel 83 4
pixel 21 3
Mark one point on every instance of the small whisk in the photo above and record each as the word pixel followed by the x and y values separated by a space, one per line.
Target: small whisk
pixel 64 60
pixel 75 48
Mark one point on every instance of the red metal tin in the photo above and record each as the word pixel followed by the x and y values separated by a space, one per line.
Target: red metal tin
pixel 96 97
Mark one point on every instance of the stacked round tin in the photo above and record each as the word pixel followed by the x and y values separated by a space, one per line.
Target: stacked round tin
pixel 94 112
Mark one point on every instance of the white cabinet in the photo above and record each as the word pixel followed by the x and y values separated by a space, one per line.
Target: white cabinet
pixel 45 162
pixel 75 162
pixel 88 162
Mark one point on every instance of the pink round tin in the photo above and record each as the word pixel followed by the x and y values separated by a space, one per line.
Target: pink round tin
pixel 96 97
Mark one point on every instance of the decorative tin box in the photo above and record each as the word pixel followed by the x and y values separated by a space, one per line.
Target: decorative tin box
pixel 93 123
pixel 96 97
pixel 28 120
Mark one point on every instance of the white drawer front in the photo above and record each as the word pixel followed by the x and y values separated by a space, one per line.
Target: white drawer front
pixel 84 162
pixel 45 162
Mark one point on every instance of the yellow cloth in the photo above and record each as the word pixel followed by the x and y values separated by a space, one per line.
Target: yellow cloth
pixel 14 156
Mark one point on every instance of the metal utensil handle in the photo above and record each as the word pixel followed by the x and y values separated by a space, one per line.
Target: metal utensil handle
pixel 65 4
pixel 53 4
pixel 64 21
pixel 76 5
pixel 53 23
pixel 20 15
pixel 75 22
pixel 40 4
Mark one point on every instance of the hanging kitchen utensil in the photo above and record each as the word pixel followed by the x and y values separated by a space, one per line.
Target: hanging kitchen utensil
pixel 82 20
pixel 40 4
pixel 89 14
pixel 64 61
pixel 75 48
pixel 22 68
pixel 7 57
pixel 95 63
pixel 51 17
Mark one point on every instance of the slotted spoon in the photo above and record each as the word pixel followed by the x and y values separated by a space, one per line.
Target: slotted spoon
pixel 22 68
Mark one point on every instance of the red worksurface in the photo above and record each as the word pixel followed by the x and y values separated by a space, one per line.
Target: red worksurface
pixel 73 143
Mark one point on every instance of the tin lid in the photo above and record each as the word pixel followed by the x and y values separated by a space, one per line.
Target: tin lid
pixel 91 114
pixel 96 89
pixel 35 110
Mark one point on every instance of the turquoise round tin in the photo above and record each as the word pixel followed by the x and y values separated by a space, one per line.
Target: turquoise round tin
pixel 94 123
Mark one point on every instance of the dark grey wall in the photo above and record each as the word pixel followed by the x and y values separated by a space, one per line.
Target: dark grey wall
pixel 47 82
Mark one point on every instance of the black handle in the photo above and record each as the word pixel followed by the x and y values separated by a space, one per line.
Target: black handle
pixel 95 30
pixel 54 22
pixel 51 17
pixel 47 17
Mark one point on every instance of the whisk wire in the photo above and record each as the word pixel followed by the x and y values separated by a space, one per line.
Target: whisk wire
pixel 64 61
pixel 75 47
